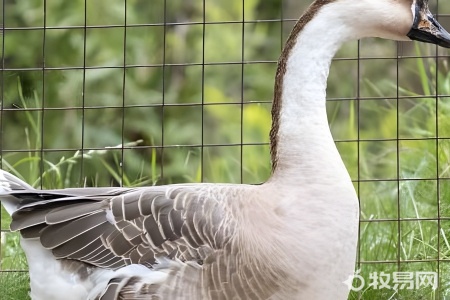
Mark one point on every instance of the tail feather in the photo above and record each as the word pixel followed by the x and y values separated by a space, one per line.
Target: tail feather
pixel 16 194
pixel 10 183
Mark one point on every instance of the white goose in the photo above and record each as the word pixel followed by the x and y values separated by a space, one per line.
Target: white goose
pixel 293 237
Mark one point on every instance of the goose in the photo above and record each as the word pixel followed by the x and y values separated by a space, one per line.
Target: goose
pixel 292 237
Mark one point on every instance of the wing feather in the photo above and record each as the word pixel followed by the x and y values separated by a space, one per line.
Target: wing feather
pixel 152 232
pixel 119 227
pixel 118 244
pixel 27 218
pixel 55 235
pixel 73 249
pixel 72 211
pixel 76 247
pixel 32 232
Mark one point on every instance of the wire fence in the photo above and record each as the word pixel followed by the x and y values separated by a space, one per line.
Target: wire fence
pixel 134 92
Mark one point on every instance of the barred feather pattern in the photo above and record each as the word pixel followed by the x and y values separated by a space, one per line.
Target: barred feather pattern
pixel 185 231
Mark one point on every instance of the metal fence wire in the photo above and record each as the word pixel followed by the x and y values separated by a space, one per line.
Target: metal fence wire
pixel 135 92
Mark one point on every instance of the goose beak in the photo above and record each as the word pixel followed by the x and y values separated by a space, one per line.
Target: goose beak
pixel 426 28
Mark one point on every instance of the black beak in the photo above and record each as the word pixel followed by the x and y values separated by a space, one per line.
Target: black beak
pixel 426 28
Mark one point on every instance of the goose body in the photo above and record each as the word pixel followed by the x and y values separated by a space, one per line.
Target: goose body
pixel 293 237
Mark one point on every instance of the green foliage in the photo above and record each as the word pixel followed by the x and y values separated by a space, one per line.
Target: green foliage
pixel 160 118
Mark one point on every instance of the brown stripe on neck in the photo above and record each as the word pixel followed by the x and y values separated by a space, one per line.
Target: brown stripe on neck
pixel 281 70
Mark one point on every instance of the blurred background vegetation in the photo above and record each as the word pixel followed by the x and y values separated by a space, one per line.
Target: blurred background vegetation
pixel 193 102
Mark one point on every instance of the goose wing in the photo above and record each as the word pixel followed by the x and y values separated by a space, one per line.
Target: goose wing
pixel 112 228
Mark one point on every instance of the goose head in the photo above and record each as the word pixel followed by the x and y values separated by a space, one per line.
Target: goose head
pixel 400 20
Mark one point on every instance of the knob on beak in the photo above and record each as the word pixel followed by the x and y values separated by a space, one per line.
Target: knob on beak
pixel 425 27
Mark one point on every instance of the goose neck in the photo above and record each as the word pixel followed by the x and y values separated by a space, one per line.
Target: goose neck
pixel 300 135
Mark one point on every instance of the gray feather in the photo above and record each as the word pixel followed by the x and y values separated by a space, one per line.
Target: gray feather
pixel 72 211
pixel 55 235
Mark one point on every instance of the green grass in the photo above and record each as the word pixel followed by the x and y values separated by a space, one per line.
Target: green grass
pixel 13 284
pixel 400 231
